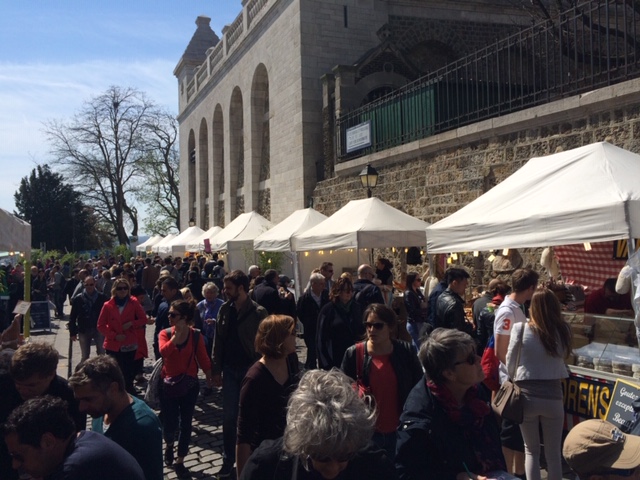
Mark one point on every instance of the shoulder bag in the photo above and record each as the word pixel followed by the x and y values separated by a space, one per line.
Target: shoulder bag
pixel 179 385
pixel 360 386
pixel 508 400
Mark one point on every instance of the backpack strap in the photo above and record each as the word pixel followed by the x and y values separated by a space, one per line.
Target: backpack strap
pixel 360 354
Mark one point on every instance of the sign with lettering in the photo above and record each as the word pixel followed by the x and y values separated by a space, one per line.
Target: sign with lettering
pixel 586 397
pixel 359 136
pixel 40 316
pixel 620 411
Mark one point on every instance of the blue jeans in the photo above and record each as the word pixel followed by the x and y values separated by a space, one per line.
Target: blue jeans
pixel 414 330
pixel 177 416
pixel 231 382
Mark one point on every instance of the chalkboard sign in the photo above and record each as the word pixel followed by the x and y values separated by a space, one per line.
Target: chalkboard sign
pixel 620 411
pixel 40 316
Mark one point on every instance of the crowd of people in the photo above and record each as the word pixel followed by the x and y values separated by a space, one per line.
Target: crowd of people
pixel 387 390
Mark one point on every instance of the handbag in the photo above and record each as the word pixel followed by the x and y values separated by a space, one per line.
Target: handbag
pixel 360 386
pixel 491 366
pixel 179 385
pixel 508 400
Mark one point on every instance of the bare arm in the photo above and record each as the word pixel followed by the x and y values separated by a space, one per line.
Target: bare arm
pixel 243 452
pixel 502 345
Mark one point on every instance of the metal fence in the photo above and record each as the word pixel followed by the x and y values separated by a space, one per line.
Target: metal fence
pixel 594 44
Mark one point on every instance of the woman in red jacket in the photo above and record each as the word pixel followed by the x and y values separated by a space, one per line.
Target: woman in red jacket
pixel 119 320
pixel 183 350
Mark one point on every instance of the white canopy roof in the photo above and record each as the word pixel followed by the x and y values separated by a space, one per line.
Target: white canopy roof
pixel 15 234
pixel 589 194
pixel 147 244
pixel 161 247
pixel 278 239
pixel 363 223
pixel 242 230
pixel 197 244
pixel 178 244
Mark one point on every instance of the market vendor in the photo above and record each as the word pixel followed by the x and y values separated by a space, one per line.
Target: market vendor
pixel 605 301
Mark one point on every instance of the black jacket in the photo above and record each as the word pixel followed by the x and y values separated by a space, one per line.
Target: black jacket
pixel 430 446
pixel 308 310
pixel 413 303
pixel 337 331
pixel 84 313
pixel 450 312
pixel 365 292
pixel 266 294
pixel 404 361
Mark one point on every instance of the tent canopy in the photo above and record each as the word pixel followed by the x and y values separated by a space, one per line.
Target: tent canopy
pixel 588 194
pixel 243 229
pixel 363 223
pixel 278 239
pixel 161 247
pixel 197 244
pixel 151 241
pixel 15 235
pixel 178 244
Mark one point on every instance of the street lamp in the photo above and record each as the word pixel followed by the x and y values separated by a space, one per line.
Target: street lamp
pixel 369 178
pixel 192 222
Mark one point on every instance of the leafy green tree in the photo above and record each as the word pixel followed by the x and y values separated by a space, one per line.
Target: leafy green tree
pixel 56 213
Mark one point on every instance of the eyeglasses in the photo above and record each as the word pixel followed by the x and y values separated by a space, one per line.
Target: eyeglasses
pixel 122 289
pixel 470 360
pixel 173 314
pixel 375 325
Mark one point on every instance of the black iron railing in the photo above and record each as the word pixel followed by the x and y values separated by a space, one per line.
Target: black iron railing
pixel 592 45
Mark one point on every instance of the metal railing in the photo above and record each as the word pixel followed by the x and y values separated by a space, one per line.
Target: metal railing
pixel 594 44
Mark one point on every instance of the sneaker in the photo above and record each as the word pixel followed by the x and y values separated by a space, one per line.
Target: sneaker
pixel 180 470
pixel 225 471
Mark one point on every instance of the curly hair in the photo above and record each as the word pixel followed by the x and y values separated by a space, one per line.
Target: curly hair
pixel 343 284
pixel 38 416
pixel 326 418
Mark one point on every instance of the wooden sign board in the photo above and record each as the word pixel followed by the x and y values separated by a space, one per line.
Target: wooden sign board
pixel 620 411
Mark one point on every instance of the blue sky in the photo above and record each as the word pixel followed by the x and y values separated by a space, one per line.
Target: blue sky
pixel 54 55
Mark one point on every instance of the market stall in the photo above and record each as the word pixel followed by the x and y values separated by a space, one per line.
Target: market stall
pixel 178 246
pixel 579 197
pixel 150 242
pixel 203 242
pixel 161 247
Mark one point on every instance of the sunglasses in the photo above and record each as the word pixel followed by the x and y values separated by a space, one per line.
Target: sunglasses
pixel 470 360
pixel 173 314
pixel 376 325
pixel 122 289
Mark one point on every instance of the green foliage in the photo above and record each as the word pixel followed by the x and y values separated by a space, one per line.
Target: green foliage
pixel 267 260
pixel 124 251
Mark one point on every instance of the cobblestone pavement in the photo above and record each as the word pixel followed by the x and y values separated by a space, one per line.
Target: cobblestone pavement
pixel 205 455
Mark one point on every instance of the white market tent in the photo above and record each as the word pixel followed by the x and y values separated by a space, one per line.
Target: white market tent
pixel 588 194
pixel 278 239
pixel 197 245
pixel 179 244
pixel 161 247
pixel 146 245
pixel 237 239
pixel 367 223
pixel 15 234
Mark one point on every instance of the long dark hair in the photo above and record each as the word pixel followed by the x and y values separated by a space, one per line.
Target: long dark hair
pixel 547 323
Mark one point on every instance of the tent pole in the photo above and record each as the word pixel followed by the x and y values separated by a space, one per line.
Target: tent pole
pixel 296 274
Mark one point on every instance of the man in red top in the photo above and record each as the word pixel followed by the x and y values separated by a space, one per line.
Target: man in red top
pixel 606 301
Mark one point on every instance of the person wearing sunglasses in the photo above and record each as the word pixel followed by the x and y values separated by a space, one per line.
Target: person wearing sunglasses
pixel 389 367
pixel 447 428
pixel 327 436
pixel 119 320
pixel 183 350
pixel 538 355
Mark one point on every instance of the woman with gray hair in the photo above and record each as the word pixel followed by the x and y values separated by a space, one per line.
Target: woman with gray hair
pixel 327 436
pixel 447 429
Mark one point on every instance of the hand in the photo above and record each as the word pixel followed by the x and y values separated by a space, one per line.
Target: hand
pixel 216 380
pixel 126 326
pixel 151 321
pixel 209 381
pixel 121 337
pixel 74 338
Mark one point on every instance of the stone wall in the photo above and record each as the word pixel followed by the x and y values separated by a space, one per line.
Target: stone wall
pixel 433 182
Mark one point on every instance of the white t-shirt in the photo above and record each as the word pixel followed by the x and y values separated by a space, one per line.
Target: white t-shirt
pixel 509 313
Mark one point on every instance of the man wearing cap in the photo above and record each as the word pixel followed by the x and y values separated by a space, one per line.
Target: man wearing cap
pixel 598 450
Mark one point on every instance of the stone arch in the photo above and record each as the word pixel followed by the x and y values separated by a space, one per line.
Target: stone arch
pixel 260 162
pixel 202 167
pixel 376 85
pixel 217 157
pixel 236 153
pixel 191 175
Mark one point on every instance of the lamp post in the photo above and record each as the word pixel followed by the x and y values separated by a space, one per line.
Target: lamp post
pixel 369 178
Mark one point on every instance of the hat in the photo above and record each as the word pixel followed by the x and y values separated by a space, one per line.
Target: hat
pixel 284 280
pixel 595 445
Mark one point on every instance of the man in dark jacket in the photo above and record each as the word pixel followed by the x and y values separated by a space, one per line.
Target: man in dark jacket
pixel 365 291
pixel 266 294
pixel 450 306
pixel 233 353
pixel 83 321
pixel 309 304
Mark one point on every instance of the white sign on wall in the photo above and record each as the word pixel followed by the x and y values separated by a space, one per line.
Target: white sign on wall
pixel 359 136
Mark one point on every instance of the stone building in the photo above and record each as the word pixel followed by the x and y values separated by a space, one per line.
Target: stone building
pixel 260 108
